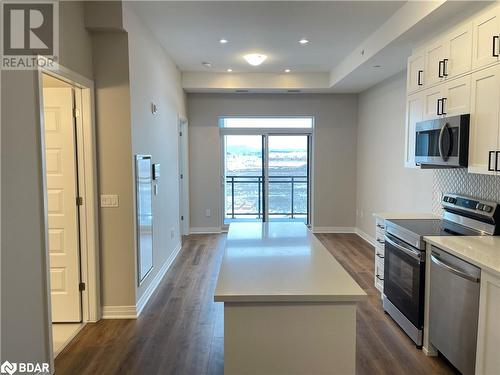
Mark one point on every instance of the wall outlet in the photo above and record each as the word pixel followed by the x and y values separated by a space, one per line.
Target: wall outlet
pixel 208 212
pixel 172 233
pixel 110 200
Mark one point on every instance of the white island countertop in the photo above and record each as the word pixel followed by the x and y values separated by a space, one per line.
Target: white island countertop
pixel 281 262
pixel 482 251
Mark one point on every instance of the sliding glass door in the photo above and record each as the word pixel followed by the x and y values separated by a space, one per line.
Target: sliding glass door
pixel 266 177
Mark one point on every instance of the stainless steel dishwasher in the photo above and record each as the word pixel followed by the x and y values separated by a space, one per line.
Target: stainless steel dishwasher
pixel 454 309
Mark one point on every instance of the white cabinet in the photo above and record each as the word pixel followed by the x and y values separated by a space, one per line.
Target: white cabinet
pixel 434 56
pixel 431 100
pixel 379 254
pixel 456 97
pixel 486 30
pixel 414 114
pixel 415 72
pixel 484 125
pixel 488 338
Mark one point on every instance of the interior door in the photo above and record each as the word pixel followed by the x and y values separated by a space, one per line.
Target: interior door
pixel 485 117
pixel 63 226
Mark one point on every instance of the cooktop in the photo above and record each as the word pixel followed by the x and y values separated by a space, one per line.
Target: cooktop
pixel 434 227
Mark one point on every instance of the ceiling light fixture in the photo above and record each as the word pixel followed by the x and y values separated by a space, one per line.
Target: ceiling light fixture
pixel 287 70
pixel 377 66
pixel 223 41
pixel 303 41
pixel 206 64
pixel 229 70
pixel 255 59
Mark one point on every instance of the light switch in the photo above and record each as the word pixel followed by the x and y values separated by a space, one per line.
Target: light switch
pixel 110 200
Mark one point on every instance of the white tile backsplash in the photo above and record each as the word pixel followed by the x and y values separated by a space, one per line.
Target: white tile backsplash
pixel 458 181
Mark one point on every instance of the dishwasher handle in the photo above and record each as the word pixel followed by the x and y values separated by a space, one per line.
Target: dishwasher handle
pixel 451 269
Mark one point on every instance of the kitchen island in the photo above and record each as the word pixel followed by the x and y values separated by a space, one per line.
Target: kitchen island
pixel 289 306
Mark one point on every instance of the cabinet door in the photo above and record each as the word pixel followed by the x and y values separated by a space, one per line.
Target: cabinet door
pixel 431 97
pixel 485 44
pixel 415 72
pixel 458 51
pixel 414 114
pixel 456 95
pixel 488 337
pixel 484 125
pixel 433 55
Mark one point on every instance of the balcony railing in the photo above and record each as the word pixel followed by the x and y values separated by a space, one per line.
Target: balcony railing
pixel 232 183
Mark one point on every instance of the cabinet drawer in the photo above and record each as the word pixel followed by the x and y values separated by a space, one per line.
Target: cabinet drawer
pixel 379 276
pixel 379 255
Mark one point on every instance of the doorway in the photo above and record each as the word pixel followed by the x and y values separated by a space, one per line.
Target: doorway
pixel 266 171
pixel 70 191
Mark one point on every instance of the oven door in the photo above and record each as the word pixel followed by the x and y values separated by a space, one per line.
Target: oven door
pixel 404 277
pixel 437 143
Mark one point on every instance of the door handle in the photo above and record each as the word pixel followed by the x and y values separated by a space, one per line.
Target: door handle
pixel 380 278
pixel 496 161
pixel 442 105
pixel 494 52
pixel 419 77
pixel 438 107
pixel 489 161
pixel 440 64
pixel 445 68
pixel 380 256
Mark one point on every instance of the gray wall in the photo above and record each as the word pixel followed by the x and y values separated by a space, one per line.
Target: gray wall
pixel 334 150
pixel 383 183
pixel 24 333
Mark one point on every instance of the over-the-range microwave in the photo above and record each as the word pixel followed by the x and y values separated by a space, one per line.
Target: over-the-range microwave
pixel 443 142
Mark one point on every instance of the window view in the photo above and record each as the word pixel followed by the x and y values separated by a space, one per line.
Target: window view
pixel 246 198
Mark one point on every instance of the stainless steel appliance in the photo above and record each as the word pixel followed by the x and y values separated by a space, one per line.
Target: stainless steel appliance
pixel 454 309
pixel 443 142
pixel 404 262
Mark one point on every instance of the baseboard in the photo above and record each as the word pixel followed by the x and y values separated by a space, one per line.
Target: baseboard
pixel 157 280
pixel 366 237
pixel 119 312
pixel 334 230
pixel 204 230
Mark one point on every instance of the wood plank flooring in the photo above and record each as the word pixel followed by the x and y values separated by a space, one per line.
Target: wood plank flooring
pixel 181 330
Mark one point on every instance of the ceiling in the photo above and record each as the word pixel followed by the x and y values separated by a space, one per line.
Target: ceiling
pixel 190 32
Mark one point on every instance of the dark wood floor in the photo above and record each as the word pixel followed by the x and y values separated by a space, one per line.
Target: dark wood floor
pixel 181 329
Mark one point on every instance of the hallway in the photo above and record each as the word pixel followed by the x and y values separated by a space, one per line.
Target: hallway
pixel 181 329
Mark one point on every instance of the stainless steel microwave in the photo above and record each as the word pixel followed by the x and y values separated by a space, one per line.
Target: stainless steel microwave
pixel 443 142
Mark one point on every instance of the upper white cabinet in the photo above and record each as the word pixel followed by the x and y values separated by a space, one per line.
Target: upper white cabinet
pixel 415 72
pixel 485 121
pixel 458 58
pixel 486 31
pixel 434 56
pixel 414 114
pixel 456 97
pixel 432 103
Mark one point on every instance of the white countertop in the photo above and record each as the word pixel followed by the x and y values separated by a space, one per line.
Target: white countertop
pixel 482 251
pixel 405 215
pixel 281 262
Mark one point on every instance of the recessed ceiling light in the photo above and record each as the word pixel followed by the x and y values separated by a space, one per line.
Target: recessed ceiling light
pixel 206 64
pixel 303 41
pixel 255 58
pixel 223 41
pixel 377 66
pixel 229 70
pixel 287 70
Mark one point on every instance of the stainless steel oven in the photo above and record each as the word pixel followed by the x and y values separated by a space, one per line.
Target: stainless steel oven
pixel 443 142
pixel 404 278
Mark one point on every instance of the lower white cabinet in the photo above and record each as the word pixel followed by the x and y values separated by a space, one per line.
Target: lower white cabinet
pixel 379 254
pixel 488 340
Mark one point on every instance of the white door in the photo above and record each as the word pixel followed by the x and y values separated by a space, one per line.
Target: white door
pixel 414 114
pixel 485 117
pixel 60 157
pixel 415 73
pixel 456 97
pixel 459 51
pixel 434 56
pixel 431 99
pixel 485 46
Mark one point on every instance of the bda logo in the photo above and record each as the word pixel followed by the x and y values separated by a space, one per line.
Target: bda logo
pixel 8 368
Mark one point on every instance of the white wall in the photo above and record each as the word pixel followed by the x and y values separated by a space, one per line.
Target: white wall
pixel 383 183
pixel 334 150
pixel 155 78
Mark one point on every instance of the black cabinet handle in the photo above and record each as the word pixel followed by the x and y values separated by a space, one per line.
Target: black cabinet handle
pixel 378 277
pixel 438 107
pixel 496 161
pixel 380 226
pixel 489 161
pixel 380 241
pixel 442 105
pixel 445 68
pixel 380 256
pixel 419 78
pixel 494 52
pixel 439 68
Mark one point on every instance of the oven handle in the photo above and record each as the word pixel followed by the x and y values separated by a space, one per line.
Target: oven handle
pixel 413 253
pixel 445 266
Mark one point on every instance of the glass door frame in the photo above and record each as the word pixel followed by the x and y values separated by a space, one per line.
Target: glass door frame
pixel 265 133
